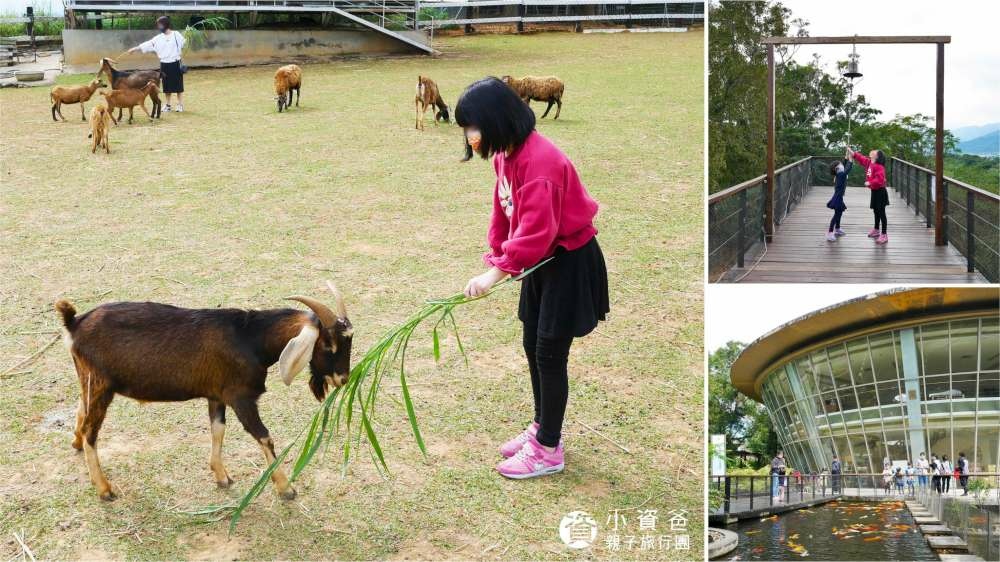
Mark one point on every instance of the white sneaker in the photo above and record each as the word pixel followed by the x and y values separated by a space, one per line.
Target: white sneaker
pixel 831 237
pixel 180 108
pixel 166 108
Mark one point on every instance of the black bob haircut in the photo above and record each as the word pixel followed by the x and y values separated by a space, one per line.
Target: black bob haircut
pixel 502 117
pixel 880 157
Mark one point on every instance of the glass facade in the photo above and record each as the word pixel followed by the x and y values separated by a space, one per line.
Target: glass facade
pixel 888 396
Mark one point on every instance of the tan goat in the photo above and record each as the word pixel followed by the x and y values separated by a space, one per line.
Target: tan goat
pixel 539 88
pixel 73 94
pixel 129 98
pixel 427 95
pixel 100 118
pixel 287 81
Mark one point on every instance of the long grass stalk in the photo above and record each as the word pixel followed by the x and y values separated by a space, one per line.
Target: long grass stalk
pixel 357 399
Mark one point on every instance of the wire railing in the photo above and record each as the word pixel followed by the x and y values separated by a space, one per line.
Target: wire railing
pixel 736 214
pixel 971 215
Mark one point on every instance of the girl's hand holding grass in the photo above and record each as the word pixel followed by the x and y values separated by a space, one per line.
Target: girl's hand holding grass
pixel 481 284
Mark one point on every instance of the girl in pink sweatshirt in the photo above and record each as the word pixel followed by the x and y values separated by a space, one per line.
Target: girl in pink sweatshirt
pixel 874 165
pixel 541 210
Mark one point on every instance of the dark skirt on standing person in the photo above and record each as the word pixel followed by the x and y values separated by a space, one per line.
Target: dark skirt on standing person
pixel 173 78
pixel 567 296
pixel 880 198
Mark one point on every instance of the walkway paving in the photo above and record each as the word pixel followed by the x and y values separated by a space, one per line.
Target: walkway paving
pixel 800 253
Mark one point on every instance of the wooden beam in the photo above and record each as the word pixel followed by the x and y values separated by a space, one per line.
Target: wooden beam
pixel 857 40
pixel 769 187
pixel 939 224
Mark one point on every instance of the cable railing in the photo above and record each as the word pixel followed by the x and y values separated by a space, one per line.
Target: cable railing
pixel 971 215
pixel 736 214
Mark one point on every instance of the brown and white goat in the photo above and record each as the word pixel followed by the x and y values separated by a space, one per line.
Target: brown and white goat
pixel 287 80
pixel 131 79
pixel 130 98
pixel 160 353
pixel 539 88
pixel 426 96
pixel 100 119
pixel 73 94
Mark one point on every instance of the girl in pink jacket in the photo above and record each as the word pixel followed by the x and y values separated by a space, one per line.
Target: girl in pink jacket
pixel 874 165
pixel 541 210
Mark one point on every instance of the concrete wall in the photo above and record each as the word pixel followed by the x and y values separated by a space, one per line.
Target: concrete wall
pixel 84 48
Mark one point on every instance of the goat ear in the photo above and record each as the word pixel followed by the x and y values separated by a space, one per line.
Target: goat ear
pixel 297 353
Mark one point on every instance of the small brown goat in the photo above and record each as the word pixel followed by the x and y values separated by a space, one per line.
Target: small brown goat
pixel 160 353
pixel 100 117
pixel 130 98
pixel 426 96
pixel 73 94
pixel 131 79
pixel 287 80
pixel 539 88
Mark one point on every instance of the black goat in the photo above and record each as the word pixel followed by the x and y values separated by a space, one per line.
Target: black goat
pixel 160 353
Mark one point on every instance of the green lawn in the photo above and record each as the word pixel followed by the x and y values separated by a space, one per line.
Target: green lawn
pixel 233 204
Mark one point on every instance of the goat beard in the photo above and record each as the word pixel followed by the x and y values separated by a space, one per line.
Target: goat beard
pixel 318 385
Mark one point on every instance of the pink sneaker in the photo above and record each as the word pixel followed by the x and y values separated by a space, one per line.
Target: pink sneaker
pixel 510 448
pixel 532 460
pixel 882 239
pixel 874 233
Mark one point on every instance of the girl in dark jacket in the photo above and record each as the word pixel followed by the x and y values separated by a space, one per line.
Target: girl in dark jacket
pixel 839 170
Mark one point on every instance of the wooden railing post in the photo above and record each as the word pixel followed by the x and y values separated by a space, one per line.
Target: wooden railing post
pixel 927 212
pixel 970 238
pixel 942 227
pixel 916 194
pixel 740 242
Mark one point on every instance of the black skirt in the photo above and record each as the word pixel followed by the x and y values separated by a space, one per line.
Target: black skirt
pixel 173 79
pixel 568 296
pixel 880 198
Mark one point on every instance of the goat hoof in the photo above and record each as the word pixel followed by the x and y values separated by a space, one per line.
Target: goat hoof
pixel 288 494
pixel 225 484
pixel 77 444
pixel 108 496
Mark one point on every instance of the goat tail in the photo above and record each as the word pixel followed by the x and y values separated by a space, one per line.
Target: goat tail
pixel 68 312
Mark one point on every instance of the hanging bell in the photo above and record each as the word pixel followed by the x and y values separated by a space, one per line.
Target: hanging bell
pixel 852 69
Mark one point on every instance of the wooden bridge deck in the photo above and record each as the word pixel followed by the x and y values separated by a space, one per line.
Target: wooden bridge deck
pixel 800 253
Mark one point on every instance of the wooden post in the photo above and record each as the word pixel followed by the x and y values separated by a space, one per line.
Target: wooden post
pixel 769 187
pixel 939 218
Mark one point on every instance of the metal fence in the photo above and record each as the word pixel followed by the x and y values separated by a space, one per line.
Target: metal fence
pixel 520 12
pixel 976 521
pixel 971 215
pixel 736 214
pixel 750 493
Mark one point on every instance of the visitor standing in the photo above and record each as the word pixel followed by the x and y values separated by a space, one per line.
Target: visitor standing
pixel 777 474
pixel 963 473
pixel 922 468
pixel 835 470
pixel 946 470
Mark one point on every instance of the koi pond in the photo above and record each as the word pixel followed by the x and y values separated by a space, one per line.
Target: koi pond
pixel 834 531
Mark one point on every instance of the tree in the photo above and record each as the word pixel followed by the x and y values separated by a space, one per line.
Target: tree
pixel 731 413
pixel 813 108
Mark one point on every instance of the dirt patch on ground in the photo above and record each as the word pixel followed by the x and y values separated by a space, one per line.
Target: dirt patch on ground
pixel 209 546
pixel 446 544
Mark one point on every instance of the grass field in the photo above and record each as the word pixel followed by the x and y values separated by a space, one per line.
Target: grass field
pixel 233 204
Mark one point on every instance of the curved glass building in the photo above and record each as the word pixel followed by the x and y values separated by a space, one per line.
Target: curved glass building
pixel 880 379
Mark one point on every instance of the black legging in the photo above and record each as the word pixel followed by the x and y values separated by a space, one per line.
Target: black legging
pixel 547 359
pixel 835 221
pixel 880 219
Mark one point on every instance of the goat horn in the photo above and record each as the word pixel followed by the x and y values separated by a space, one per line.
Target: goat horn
pixel 323 312
pixel 338 300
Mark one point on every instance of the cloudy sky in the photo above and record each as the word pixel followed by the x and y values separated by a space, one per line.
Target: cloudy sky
pixel 901 78
pixel 746 312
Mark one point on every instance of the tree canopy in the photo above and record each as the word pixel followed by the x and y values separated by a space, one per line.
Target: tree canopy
pixel 812 106
pixel 739 417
